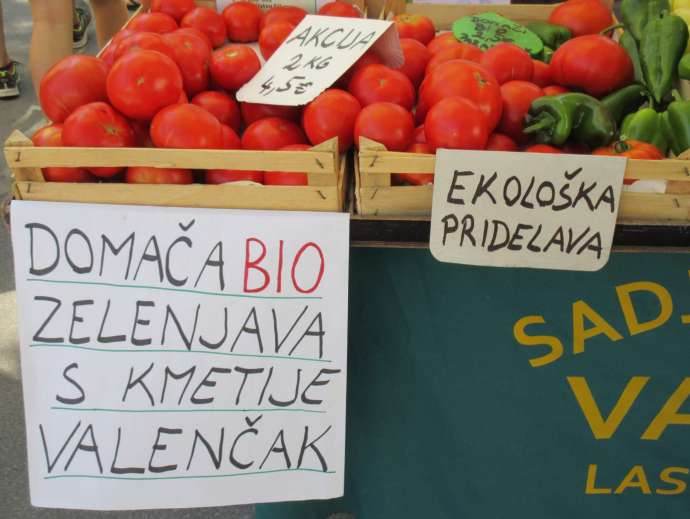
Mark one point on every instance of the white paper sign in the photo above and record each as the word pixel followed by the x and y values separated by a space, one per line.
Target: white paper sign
pixel 315 54
pixel 178 358
pixel 505 209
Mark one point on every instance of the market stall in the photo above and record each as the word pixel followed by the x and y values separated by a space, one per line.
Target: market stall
pixel 553 384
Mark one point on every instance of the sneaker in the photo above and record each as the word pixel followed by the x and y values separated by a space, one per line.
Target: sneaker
pixel 79 35
pixel 9 80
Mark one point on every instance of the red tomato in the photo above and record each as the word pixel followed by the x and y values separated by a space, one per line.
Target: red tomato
pixel 242 21
pixel 456 123
pixel 415 26
pixel 419 135
pixel 220 104
pixel 632 149
pixel 175 8
pixel 339 8
pixel 287 178
pixel 542 148
pixel 576 148
pixel 331 114
pixel 507 61
pixel 51 135
pixel 122 34
pixel 553 90
pixel 98 125
pixel 416 58
pixel 146 175
pixel 234 65
pixel 500 142
pixel 465 79
pixel 593 63
pixel 541 76
pixel 386 123
pixel 108 54
pixel 196 32
pixel 272 37
pixel 368 58
pixel 282 13
pixel 143 41
pixel 142 138
pixel 517 98
pixel 379 83
pixel 192 55
pixel 208 21
pixel 458 51
pixel 272 133
pixel 442 41
pixel 252 112
pixel 186 126
pixel 152 22
pixel 141 83
pixel 230 139
pixel 582 17
pixel 222 176
pixel 415 179
pixel 71 83
pixel 183 99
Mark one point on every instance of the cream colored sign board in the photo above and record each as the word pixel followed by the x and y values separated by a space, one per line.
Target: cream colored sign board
pixel 504 209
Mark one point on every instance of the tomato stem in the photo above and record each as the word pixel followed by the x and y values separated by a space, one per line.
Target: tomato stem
pixel 611 28
pixel 621 147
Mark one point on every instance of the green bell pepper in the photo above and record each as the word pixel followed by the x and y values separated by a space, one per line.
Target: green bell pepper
pixel 630 45
pixel 646 125
pixel 663 44
pixel 546 54
pixel 676 122
pixel 624 101
pixel 551 34
pixel 636 14
pixel 570 116
pixel 684 67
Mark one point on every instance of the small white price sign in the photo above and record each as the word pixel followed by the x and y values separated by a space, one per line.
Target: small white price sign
pixel 315 54
pixel 505 209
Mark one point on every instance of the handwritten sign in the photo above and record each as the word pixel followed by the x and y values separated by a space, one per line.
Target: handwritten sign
pixel 315 54
pixel 181 357
pixel 525 210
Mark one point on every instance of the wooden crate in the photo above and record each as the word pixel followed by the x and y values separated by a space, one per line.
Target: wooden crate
pixel 325 168
pixel 375 196
pixel 327 173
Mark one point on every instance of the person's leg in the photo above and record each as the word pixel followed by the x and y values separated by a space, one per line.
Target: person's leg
pixel 51 38
pixel 4 57
pixel 110 16
pixel 9 75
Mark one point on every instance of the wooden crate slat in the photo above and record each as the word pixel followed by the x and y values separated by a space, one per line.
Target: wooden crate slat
pixel 443 15
pixel 290 198
pixel 383 163
pixel 316 162
pixel 649 206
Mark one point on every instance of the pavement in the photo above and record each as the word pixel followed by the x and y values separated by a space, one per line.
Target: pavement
pixel 23 113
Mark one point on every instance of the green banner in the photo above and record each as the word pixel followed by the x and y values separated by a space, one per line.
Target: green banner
pixel 499 393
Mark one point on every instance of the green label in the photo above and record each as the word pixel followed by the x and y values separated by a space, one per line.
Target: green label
pixel 487 29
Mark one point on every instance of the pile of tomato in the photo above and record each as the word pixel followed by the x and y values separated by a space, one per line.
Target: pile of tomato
pixel 168 81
